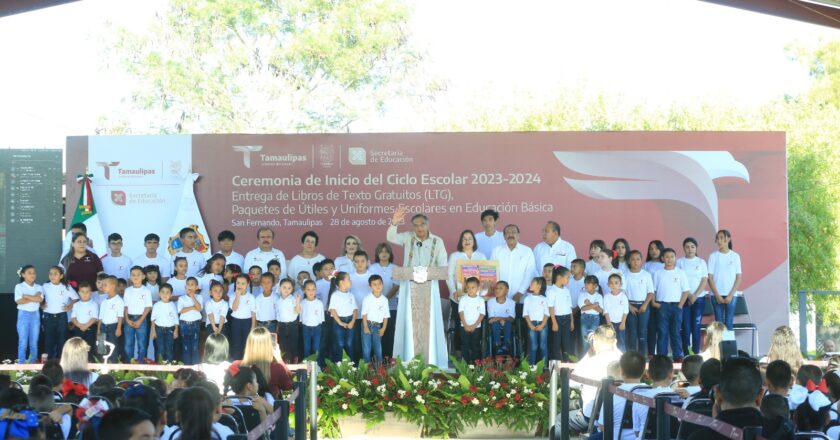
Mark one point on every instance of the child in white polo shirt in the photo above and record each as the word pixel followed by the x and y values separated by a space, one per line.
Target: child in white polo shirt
pixel 138 305
pixel 311 319
pixel 265 304
pixel 375 314
pixel 286 311
pixel 471 309
pixel 165 324
pixel 28 297
pixel 616 308
pixel 111 311
pixel 535 313
pixel 501 312
pixel 85 315
pixel 343 310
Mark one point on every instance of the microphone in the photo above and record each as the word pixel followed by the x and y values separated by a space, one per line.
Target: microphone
pixel 419 244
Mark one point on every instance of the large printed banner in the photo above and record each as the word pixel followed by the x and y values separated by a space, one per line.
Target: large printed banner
pixel 636 185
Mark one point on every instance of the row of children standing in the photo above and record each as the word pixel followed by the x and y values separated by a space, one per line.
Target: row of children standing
pixel 172 314
pixel 656 306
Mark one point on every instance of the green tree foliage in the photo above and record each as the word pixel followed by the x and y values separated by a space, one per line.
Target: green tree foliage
pixel 263 65
pixel 813 145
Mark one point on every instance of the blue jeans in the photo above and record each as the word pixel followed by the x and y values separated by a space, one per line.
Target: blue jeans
pixel 502 337
pixel 620 335
pixel 110 332
pixel 311 340
pixel 588 324
pixel 28 327
pixel 372 342
pixel 165 343
pixel 189 341
pixel 539 341
pixel 669 320
pixel 692 316
pixel 55 333
pixel 239 329
pixel 637 330
pixel 725 309
pixel 138 335
pixel 343 340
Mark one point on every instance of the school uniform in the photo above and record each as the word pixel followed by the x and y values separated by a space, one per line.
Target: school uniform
pixel 195 262
pixel 375 310
pixel 189 328
pixel 695 270
pixel 560 301
pixel 386 272
pixel 56 298
pixel 311 319
pixel 240 322
pixel 266 310
pixel 669 286
pixel 234 258
pixel 137 300
pixel 204 284
pixel 472 308
pixel 591 267
pixel 162 261
pixel 344 304
pixel 454 284
pixel 322 290
pixel 165 320
pixel 616 306
pixel 589 319
pixel 84 312
pixel 179 287
pixel 502 331
pixel 299 264
pixel 119 267
pixel 652 267
pixel 604 279
pixel 288 327
pixel 637 287
pixel 344 264
pixel 724 268
pixel 215 311
pixel 258 257
pixel 155 291
pixel 534 310
pixel 360 288
pixel 110 312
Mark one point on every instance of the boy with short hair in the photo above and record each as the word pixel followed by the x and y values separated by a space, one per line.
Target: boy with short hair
pixel 671 287
pixel 360 289
pixel 85 315
pixel 266 303
pixel 154 258
pixel 195 259
pixel 273 267
pixel 127 424
pixel 501 312
pixel 471 309
pixel 226 241
pixel 778 378
pixel 323 283
pixel 632 365
pixel 114 262
pixel 42 399
pixel 111 313
pixel 375 314
pixel 165 324
pixel 691 372
pixel 661 373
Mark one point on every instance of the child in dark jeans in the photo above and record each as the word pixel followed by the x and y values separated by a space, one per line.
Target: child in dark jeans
pixel 165 325
pixel 471 309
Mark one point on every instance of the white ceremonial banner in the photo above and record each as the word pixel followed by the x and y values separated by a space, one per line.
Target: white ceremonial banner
pixel 138 185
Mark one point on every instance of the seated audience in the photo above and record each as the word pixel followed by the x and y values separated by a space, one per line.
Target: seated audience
pixel 128 424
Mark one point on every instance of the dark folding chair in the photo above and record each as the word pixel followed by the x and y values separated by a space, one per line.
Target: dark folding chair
pixel 229 421
pixel 627 415
pixel 701 406
pixel 650 421
pixel 742 309
pixel 811 435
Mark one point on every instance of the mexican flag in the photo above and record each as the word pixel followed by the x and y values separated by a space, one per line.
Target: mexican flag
pixel 86 213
